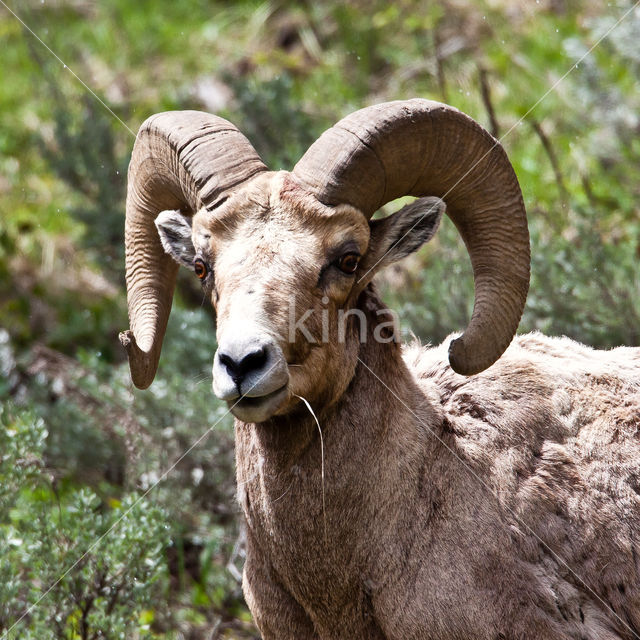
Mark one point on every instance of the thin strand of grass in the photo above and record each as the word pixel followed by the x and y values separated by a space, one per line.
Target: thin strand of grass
pixel 324 506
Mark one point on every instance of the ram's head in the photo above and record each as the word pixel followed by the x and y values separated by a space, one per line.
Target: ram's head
pixel 286 257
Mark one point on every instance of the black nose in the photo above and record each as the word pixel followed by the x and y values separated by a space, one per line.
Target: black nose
pixel 249 362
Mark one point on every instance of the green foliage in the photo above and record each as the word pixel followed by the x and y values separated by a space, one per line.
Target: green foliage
pixel 96 171
pixel 271 118
pixel 175 442
pixel 589 279
pixel 72 566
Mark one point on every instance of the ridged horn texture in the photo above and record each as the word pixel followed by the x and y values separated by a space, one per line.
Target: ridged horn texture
pixel 421 148
pixel 181 160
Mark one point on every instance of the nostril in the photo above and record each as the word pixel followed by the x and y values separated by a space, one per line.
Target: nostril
pixel 253 361
pixel 228 362
pixel 237 370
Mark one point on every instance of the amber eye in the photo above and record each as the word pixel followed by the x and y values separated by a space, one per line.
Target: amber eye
pixel 349 263
pixel 200 268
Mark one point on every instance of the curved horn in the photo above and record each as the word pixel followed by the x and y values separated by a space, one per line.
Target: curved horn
pixel 181 160
pixel 420 148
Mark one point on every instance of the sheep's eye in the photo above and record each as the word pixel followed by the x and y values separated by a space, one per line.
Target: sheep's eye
pixel 348 263
pixel 200 268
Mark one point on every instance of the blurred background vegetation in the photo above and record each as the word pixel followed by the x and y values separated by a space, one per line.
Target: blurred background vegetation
pixel 108 529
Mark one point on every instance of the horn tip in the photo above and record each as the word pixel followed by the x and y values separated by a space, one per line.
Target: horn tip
pixel 459 359
pixel 127 339
pixel 140 365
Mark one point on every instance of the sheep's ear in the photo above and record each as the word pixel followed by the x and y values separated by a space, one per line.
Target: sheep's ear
pixel 174 229
pixel 402 233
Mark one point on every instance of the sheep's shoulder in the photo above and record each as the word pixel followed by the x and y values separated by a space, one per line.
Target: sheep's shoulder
pixel 551 434
pixel 552 428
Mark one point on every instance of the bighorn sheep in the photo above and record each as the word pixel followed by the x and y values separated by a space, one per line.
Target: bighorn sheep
pixel 443 502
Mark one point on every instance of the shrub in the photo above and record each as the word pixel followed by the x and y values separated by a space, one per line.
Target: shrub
pixel 72 565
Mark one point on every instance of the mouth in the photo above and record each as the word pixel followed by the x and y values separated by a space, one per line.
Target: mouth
pixel 253 401
pixel 258 408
